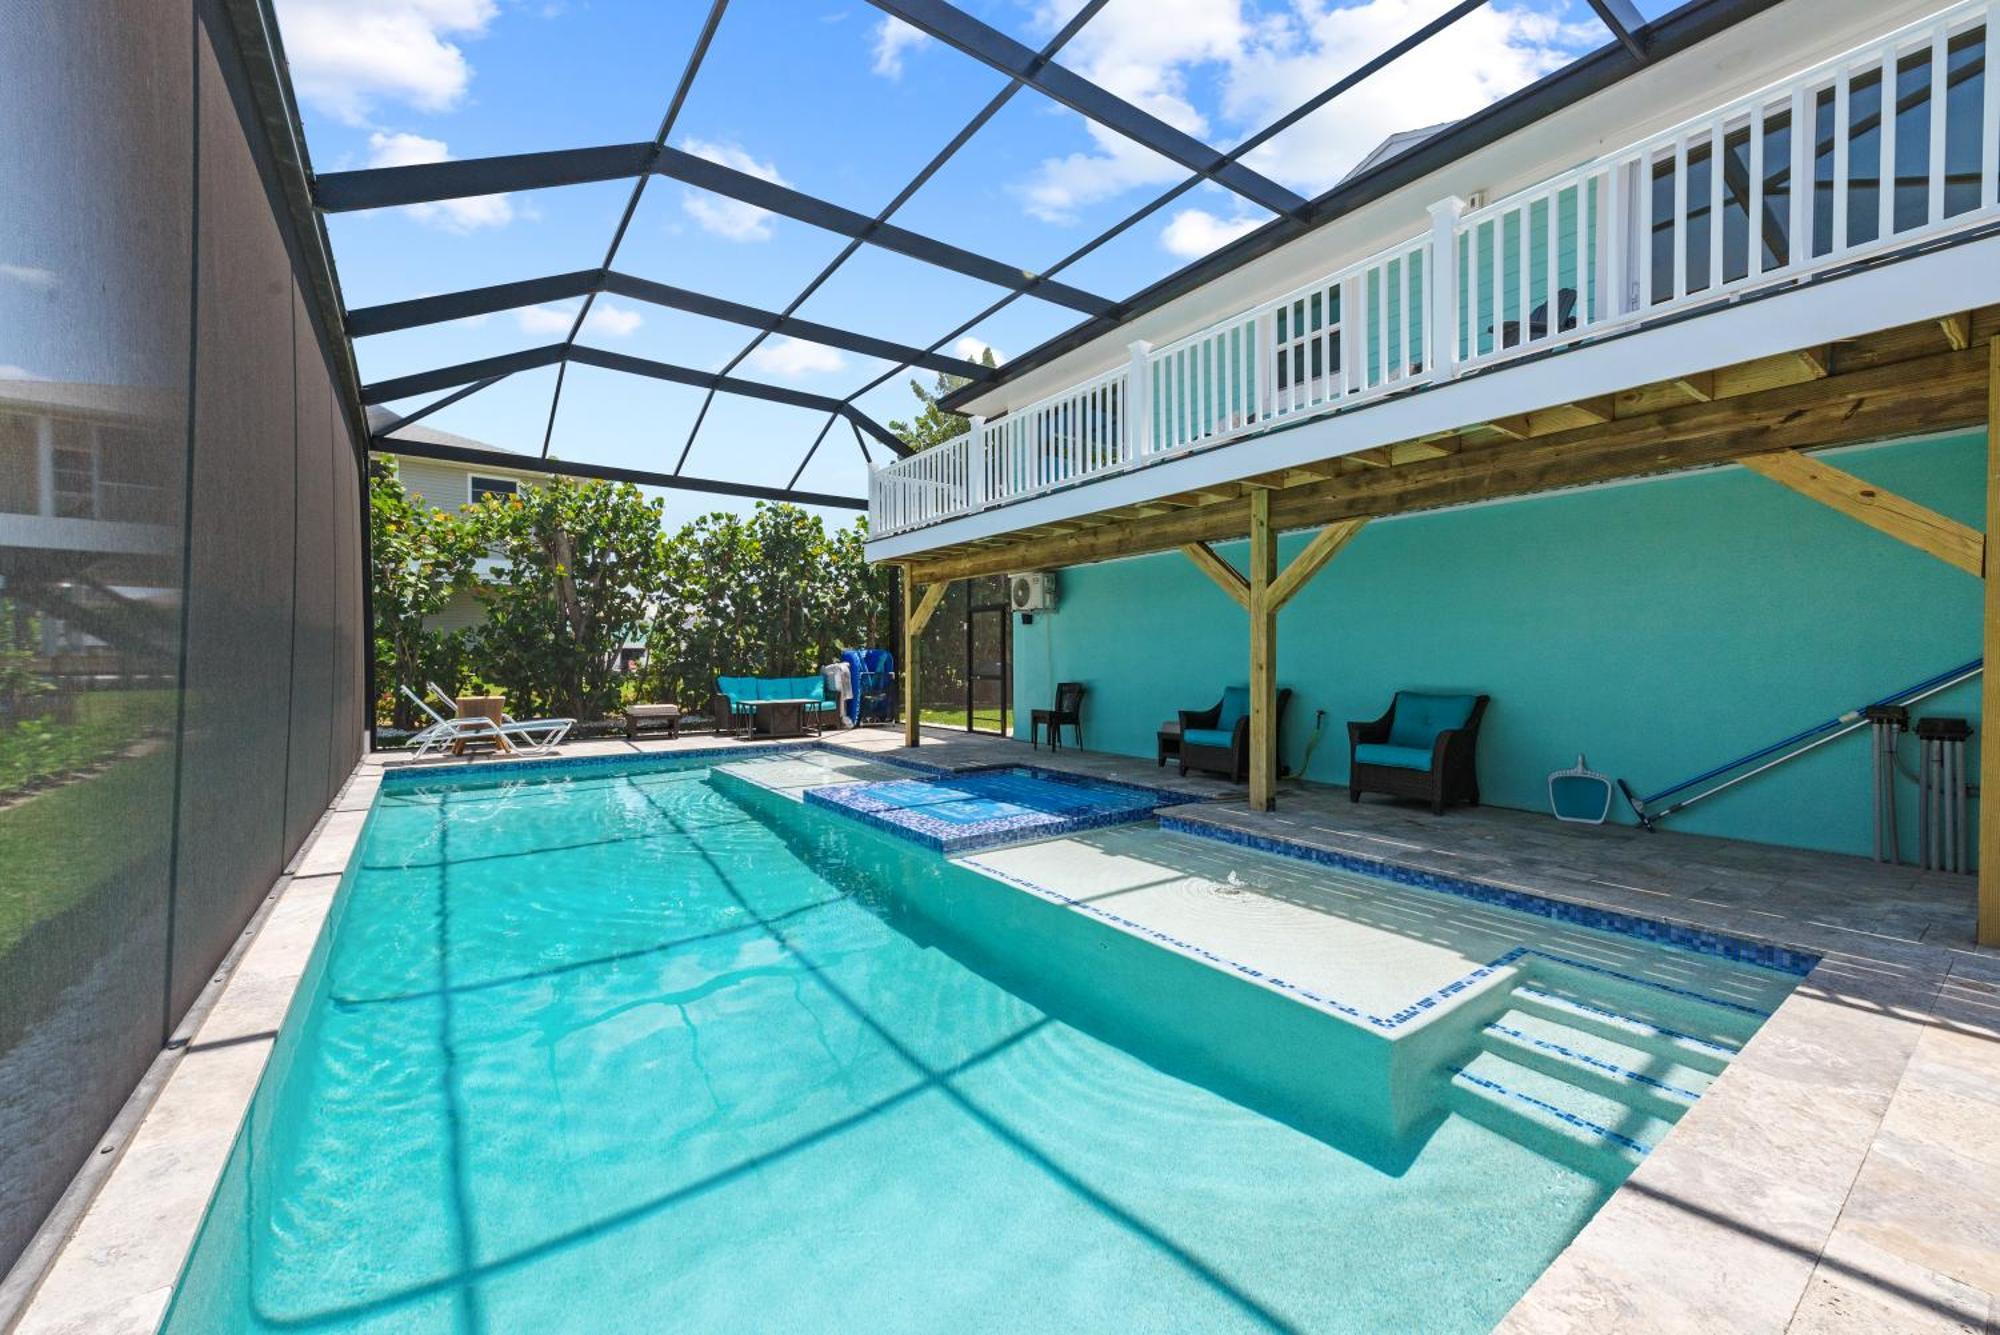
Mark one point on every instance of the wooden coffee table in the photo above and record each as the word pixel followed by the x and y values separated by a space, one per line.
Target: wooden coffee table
pixel 781 718
pixel 490 707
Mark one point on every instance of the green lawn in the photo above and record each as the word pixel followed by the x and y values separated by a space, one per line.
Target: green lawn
pixel 985 720
pixel 65 845
pixel 106 723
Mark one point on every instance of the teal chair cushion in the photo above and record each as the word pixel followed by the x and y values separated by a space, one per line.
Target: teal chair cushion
pixel 1223 737
pixel 1401 757
pixel 1235 704
pixel 1420 718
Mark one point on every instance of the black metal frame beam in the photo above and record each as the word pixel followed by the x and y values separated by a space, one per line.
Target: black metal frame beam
pixel 528 463
pixel 1408 42
pixel 988 45
pixel 395 315
pixel 1627 24
pixel 382 187
pixel 1084 13
pixel 1677 31
pixel 489 368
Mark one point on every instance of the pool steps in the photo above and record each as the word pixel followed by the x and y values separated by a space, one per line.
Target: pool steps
pixel 1590 1086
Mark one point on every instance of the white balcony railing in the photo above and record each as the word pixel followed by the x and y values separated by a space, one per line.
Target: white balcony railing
pixel 1695 214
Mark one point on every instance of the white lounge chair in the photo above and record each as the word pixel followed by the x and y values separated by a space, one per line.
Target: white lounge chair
pixel 532 737
pixel 543 732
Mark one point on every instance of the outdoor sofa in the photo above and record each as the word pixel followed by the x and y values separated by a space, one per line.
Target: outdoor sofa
pixel 1424 747
pixel 735 701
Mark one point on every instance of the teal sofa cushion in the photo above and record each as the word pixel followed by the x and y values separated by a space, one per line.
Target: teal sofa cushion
pixel 745 692
pixel 1401 757
pixel 1222 737
pixel 1235 704
pixel 1420 718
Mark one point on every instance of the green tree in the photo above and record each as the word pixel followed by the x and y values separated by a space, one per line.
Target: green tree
pixel 933 425
pixel 773 593
pixel 421 556
pixel 581 567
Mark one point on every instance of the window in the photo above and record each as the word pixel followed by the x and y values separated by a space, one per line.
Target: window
pixel 482 487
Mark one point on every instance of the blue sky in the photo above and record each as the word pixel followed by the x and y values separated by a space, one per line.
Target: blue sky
pixel 833 99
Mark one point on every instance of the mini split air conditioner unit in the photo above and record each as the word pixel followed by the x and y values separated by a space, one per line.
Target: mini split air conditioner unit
pixel 1033 592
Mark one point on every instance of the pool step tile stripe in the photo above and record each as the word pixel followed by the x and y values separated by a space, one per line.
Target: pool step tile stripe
pixel 1706 1054
pixel 1649 1081
pixel 1550 1114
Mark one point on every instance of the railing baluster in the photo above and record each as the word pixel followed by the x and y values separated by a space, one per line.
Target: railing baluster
pixel 1717 145
pixel 1553 324
pixel 1798 245
pixel 1680 221
pixel 1753 208
pixel 1989 120
pixel 1885 159
pixel 1934 176
pixel 1840 146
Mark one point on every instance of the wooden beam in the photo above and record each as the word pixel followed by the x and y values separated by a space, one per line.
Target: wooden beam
pixel 907 658
pixel 1700 386
pixel 1326 545
pixel 1263 657
pixel 1884 511
pixel 932 597
pixel 1957 331
pixel 1937 392
pixel 1224 574
pixel 1817 362
pixel 1988 930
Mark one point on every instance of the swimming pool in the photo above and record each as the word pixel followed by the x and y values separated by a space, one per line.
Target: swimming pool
pixel 635 1047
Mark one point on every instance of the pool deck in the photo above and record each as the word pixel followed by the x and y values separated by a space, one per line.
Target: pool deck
pixel 1841 1175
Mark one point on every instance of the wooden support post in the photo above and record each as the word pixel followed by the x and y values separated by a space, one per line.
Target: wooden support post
pixel 1988 931
pixel 1884 511
pixel 1263 657
pixel 916 615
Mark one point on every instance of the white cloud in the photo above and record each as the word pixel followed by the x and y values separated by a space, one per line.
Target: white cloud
pixel 29 276
pixel 451 215
pixel 606 318
pixel 728 218
pixel 9 371
pixel 348 55
pixel 1264 67
pixel 1481 58
pixel 974 349
pixel 892 38
pixel 1192 233
pixel 792 357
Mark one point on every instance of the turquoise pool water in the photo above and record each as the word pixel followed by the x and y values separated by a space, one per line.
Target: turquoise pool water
pixel 638 1051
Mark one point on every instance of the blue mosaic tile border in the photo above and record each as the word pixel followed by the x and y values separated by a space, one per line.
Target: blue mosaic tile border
pixel 854 800
pixel 1781 959
pixel 1618 1138
pixel 1417 1009
pixel 639 761
pixel 1612 1069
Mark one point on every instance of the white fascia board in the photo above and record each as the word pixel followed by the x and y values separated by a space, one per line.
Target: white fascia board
pixel 1928 286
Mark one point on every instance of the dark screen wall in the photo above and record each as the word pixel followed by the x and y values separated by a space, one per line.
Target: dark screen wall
pixel 181 612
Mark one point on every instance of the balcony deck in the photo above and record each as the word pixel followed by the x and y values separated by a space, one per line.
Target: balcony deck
pixel 1641 313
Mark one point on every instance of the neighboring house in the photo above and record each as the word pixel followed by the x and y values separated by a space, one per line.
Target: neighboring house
pixel 452 487
pixel 89 504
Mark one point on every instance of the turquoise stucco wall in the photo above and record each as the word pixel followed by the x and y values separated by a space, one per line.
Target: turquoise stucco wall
pixel 1660 627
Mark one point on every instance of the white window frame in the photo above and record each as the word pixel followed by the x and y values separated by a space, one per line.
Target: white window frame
pixel 473 481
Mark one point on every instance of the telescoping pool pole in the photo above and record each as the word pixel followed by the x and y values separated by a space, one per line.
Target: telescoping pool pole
pixel 1789 748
